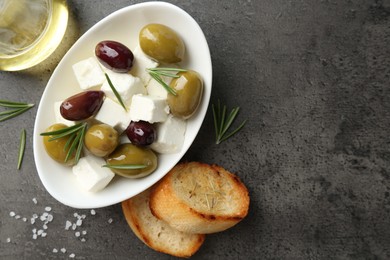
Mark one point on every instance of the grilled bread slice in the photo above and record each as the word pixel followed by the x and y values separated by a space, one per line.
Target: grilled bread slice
pixel 156 233
pixel 199 198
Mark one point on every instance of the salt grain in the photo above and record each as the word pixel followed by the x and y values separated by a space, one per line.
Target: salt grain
pixel 63 250
pixel 77 234
pixel 79 222
pixel 12 214
pixel 8 240
pixel 72 255
pixel 74 226
pixel 17 217
pixel 24 219
pixel 84 232
pixel 48 209
pixel 110 220
pixel 83 240
pixel 55 250
pixel 93 212
pixel 34 200
pixel 68 224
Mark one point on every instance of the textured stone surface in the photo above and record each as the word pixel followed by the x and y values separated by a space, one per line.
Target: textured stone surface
pixel 312 79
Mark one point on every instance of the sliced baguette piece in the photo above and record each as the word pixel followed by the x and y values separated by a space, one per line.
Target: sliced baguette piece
pixel 199 198
pixel 156 233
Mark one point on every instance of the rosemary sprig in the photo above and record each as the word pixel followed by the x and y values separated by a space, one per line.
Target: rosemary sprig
pixel 125 166
pixel 13 109
pixel 158 73
pixel 75 142
pixel 22 147
pixel 222 124
pixel 117 95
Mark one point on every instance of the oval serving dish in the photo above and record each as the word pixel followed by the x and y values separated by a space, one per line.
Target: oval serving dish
pixel 122 26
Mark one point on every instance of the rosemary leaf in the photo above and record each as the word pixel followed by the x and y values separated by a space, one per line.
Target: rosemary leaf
pixel 125 166
pixel 7 102
pixel 15 113
pixel 157 78
pixel 223 124
pixel 22 147
pixel 157 73
pixel 115 92
pixel 73 146
pixel 9 111
pixel 167 69
pixel 233 132
pixel 81 144
pixel 63 130
pixel 66 133
pixel 70 140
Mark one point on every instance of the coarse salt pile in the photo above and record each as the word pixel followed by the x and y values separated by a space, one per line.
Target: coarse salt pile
pixel 41 221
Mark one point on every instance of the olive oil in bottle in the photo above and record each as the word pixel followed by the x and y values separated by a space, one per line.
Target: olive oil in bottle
pixel 30 30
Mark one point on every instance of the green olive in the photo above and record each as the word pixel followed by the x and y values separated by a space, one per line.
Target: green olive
pixel 101 139
pixel 189 89
pixel 55 148
pixel 130 154
pixel 161 43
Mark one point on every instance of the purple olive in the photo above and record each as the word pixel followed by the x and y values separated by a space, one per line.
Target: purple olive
pixel 141 133
pixel 114 56
pixel 82 105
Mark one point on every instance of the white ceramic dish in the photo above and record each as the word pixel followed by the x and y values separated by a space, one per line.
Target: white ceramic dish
pixel 123 26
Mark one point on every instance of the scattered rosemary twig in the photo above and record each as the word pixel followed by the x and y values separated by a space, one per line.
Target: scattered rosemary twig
pixel 222 124
pixel 14 109
pixel 125 166
pixel 75 142
pixel 117 95
pixel 22 147
pixel 158 73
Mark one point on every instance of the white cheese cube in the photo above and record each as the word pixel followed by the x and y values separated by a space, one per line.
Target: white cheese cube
pixel 113 114
pixel 140 64
pixel 91 175
pixel 125 84
pixel 155 89
pixel 58 116
pixel 148 108
pixel 170 137
pixel 89 73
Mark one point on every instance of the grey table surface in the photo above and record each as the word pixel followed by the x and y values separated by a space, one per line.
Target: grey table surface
pixel 312 79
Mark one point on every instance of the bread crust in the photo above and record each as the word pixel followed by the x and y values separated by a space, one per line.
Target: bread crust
pixel 221 201
pixel 144 225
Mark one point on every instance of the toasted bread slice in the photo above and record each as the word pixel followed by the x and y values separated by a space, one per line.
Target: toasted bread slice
pixel 156 233
pixel 199 198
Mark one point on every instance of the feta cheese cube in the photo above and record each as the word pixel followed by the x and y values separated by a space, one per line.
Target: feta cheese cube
pixel 58 116
pixel 148 108
pixel 155 89
pixel 170 136
pixel 91 175
pixel 89 73
pixel 113 114
pixel 125 84
pixel 141 63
